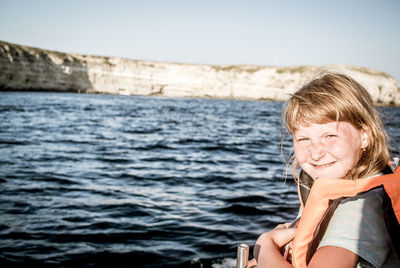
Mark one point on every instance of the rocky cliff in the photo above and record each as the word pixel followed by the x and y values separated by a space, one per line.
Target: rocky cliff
pixel 27 68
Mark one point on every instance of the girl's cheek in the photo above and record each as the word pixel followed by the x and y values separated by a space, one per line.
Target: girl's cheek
pixel 300 152
pixel 330 143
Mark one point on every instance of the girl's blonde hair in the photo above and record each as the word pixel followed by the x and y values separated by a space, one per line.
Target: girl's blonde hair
pixel 337 97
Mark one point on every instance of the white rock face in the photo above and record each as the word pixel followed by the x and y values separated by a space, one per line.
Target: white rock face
pixel 26 68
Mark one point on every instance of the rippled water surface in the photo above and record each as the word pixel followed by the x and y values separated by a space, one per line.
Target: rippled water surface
pixel 118 181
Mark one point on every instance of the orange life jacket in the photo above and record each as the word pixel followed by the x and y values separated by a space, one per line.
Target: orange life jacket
pixel 319 199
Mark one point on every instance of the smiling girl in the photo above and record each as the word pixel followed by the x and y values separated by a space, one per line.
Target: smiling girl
pixel 351 209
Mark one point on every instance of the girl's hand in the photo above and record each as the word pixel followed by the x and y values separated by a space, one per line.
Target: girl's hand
pixel 253 262
pixel 267 250
pixel 282 226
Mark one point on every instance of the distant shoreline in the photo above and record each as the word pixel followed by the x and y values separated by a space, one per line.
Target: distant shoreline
pixel 25 68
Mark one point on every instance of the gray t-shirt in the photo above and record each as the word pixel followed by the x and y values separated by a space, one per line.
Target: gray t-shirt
pixel 358 225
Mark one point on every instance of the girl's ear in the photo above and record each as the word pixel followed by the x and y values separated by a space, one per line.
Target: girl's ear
pixel 364 139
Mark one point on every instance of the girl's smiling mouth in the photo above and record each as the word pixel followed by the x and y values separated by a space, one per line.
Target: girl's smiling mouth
pixel 323 165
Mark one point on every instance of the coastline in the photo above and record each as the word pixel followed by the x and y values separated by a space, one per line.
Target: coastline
pixel 24 68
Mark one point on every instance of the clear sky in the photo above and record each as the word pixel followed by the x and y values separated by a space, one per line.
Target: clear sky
pixel 273 33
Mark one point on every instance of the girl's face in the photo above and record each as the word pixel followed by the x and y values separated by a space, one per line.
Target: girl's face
pixel 330 150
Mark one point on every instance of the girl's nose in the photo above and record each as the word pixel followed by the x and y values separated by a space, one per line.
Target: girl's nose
pixel 317 151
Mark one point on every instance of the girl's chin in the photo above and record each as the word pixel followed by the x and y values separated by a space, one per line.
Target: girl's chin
pixel 325 174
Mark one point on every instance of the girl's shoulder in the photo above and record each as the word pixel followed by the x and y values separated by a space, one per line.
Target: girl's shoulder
pixel 358 225
pixel 373 197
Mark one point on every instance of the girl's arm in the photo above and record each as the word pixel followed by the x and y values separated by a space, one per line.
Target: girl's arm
pixel 267 249
pixel 267 252
pixel 332 257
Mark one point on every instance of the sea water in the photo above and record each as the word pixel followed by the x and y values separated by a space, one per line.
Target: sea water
pixel 124 181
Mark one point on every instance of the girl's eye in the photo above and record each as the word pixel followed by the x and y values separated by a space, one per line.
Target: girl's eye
pixel 302 139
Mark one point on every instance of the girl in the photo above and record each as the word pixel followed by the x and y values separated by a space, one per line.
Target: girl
pixel 342 148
